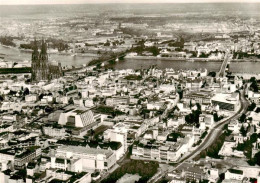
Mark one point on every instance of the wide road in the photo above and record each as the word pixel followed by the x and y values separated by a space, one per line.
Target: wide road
pixel 211 137
pixel 217 130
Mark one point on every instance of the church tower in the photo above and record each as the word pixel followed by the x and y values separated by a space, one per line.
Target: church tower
pixel 35 54
pixel 43 54
pixel 43 61
pixel 41 68
pixel 35 59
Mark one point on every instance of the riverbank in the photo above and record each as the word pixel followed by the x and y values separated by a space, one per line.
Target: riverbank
pixel 69 62
pixel 172 59
pixel 128 63
pixel 51 51
pixel 17 55
pixel 245 60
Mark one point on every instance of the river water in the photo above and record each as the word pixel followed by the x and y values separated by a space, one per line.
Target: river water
pixel 16 55
pixel 12 54
pixel 162 64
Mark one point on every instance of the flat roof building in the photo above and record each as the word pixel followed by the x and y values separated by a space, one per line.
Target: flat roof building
pixel 225 101
pixel 92 158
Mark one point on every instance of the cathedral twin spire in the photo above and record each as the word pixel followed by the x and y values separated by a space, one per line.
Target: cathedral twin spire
pixel 41 68
pixel 44 47
pixel 43 54
pixel 35 54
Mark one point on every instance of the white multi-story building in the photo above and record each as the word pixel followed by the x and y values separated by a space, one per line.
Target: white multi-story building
pixel 207 119
pixel 174 123
pixel 226 101
pixel 155 105
pixel 92 158
pixel 234 174
pixel 54 132
pixel 14 106
pixel 117 134
pixel 213 174
pixel 113 101
pixel 167 88
pixel 31 98
pixel 77 117
pixel 234 126
pixel 163 153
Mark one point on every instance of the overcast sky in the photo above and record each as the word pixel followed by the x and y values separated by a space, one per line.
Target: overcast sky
pixel 15 2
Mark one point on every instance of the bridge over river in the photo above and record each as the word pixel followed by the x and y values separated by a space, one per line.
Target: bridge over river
pixel 226 61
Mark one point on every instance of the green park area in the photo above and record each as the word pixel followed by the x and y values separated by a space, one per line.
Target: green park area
pixel 146 169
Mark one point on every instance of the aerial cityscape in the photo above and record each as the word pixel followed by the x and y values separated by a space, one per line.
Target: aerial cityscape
pixel 129 92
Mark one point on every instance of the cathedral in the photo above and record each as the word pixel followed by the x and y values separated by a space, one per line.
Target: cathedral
pixel 42 69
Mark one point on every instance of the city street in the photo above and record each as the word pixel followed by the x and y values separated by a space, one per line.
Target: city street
pixel 210 139
pixel 129 91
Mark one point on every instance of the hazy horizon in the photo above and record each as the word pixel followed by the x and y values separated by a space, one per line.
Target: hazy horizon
pixel 63 2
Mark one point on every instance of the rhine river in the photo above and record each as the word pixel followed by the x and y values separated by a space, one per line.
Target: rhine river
pixel 14 54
